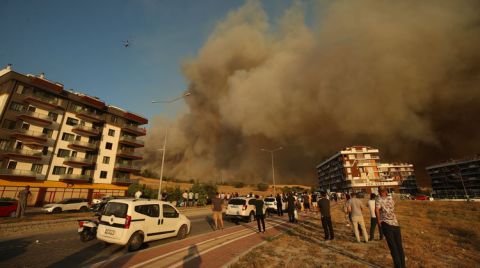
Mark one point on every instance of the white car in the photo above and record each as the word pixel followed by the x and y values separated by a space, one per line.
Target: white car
pixel 271 204
pixel 242 208
pixel 132 222
pixel 80 204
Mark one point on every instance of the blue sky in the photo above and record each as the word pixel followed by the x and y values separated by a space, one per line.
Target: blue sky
pixel 80 44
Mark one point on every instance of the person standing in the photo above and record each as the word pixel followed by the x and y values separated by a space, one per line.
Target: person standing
pixel 190 198
pixel 217 208
pixel 291 207
pixel 279 205
pixel 259 215
pixel 138 194
pixel 348 214
pixel 373 218
pixel 196 199
pixel 23 197
pixel 314 202
pixel 387 220
pixel 355 207
pixel 324 205
pixel 185 198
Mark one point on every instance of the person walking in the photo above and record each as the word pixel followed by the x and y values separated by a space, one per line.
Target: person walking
pixel 355 207
pixel 23 197
pixel 373 218
pixel 387 220
pixel 279 205
pixel 291 208
pixel 259 215
pixel 217 208
pixel 324 205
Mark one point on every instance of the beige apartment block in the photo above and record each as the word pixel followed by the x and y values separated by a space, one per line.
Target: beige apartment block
pixel 63 143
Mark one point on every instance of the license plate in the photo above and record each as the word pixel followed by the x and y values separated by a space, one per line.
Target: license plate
pixel 109 232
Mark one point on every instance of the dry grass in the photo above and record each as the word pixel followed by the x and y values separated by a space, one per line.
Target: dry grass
pixel 435 234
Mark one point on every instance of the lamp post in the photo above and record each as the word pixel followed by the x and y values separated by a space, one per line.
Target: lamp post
pixel 273 168
pixel 164 148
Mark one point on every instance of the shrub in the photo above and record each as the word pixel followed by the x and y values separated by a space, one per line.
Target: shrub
pixel 262 186
pixel 238 184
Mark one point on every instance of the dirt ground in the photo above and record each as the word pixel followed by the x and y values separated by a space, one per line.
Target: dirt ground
pixel 435 234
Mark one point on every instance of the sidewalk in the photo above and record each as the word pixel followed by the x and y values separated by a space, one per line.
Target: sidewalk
pixel 214 249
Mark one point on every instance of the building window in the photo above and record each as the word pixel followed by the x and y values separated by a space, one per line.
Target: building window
pixel 37 168
pixel 72 121
pixel 12 165
pixel 9 124
pixel 114 119
pixel 111 132
pixel 106 160
pixel 67 137
pixel 70 170
pixel 59 170
pixel 74 154
pixel 25 126
pixel 19 145
pixel 103 174
pixel 108 146
pixel 14 106
pixel 78 138
pixel 53 115
pixel 32 109
pixel 63 153
pixel 20 89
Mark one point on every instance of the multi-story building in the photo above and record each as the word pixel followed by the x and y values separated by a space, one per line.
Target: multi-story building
pixel 401 172
pixel 63 143
pixel 357 169
pixel 454 178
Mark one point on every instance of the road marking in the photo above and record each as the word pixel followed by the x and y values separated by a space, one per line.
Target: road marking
pixel 201 243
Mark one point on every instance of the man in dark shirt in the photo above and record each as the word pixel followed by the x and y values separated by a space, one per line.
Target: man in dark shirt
pixel 217 208
pixel 291 207
pixel 259 213
pixel 279 205
pixel 324 205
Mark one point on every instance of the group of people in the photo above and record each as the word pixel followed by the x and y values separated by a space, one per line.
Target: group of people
pixel 189 199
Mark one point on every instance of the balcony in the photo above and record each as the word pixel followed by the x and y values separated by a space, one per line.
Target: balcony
pixel 131 141
pixel 20 174
pixel 83 146
pixel 86 131
pixel 139 131
pixel 36 118
pixel 25 134
pixel 25 154
pixel 130 154
pixel 127 167
pixel 121 181
pixel 79 161
pixel 89 116
pixel 76 178
pixel 46 102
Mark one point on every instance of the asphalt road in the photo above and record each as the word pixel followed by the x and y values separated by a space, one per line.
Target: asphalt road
pixel 62 248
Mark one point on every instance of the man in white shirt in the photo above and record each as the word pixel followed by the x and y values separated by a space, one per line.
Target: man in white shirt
pixel 373 217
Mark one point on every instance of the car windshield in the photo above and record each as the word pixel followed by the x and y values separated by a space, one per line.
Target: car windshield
pixel 118 210
pixel 236 202
pixel 63 201
pixel 269 199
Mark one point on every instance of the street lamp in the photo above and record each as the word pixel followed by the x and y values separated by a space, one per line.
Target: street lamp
pixel 273 168
pixel 164 148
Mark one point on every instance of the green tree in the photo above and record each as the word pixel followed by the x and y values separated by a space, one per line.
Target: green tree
pixel 262 186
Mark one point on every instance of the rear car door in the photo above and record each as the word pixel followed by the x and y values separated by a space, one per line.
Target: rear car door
pixel 148 215
pixel 169 221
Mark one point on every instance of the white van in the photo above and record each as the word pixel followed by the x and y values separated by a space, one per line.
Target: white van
pixel 132 222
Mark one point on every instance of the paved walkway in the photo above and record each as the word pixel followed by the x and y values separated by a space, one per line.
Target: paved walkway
pixel 214 249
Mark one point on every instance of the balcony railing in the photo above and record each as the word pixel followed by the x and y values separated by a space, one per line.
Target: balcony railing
pixel 32 133
pixel 126 166
pixel 35 115
pixel 121 181
pixel 80 160
pixel 89 115
pixel 134 129
pixel 83 144
pixel 77 177
pixel 22 173
pixel 133 141
pixel 129 153
pixel 44 99
pixel 89 130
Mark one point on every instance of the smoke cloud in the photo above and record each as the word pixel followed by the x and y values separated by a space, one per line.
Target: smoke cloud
pixel 401 76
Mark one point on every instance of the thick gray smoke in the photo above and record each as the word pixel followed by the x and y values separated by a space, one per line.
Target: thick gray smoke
pixel 401 76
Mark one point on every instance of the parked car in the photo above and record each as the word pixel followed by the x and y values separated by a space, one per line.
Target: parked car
pixel 422 197
pixel 242 208
pixel 80 204
pixel 271 204
pixel 8 208
pixel 132 222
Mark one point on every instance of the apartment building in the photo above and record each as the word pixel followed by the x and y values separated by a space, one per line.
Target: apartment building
pixel 63 143
pixel 456 178
pixel 357 169
pixel 401 172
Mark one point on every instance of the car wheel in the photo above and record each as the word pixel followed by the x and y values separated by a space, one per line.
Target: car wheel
pixel 251 217
pixel 84 236
pixel 83 209
pixel 182 232
pixel 135 242
pixel 56 210
pixel 12 214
